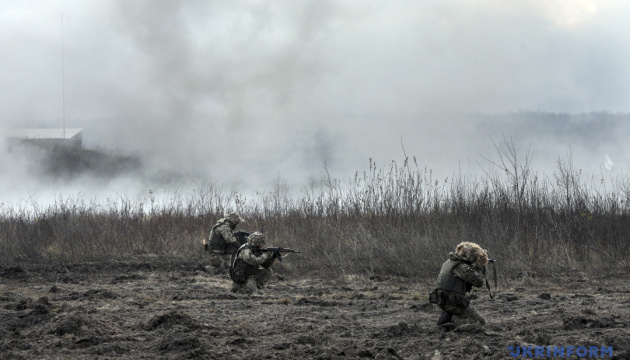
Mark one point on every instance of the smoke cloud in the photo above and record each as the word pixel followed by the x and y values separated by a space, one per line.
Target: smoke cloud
pixel 246 92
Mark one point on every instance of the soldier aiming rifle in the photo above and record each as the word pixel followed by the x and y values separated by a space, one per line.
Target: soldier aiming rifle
pixel 252 262
pixel 465 268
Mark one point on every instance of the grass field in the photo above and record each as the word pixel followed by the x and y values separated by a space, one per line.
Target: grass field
pixel 393 220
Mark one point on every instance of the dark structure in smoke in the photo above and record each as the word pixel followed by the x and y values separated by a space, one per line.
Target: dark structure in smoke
pixel 66 159
pixel 69 162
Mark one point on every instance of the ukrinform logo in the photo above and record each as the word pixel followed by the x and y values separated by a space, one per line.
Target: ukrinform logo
pixel 561 351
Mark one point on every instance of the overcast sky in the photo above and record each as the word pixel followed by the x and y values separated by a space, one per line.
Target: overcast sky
pixel 274 89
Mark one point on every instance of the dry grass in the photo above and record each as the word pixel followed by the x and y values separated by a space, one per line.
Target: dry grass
pixel 391 221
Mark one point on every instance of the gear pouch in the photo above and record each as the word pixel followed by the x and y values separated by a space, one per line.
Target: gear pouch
pixel 238 275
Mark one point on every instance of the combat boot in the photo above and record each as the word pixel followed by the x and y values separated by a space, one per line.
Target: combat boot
pixel 444 318
pixel 474 315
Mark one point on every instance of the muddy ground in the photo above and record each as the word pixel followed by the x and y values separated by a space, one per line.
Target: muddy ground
pixel 160 309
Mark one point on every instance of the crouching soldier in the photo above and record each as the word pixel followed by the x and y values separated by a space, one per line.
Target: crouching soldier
pixel 463 270
pixel 222 242
pixel 251 264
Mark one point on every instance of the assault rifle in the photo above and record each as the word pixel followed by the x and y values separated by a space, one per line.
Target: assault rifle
pixel 240 235
pixel 277 251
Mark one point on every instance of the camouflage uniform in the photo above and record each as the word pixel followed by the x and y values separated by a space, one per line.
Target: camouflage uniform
pixel 249 264
pixel 463 270
pixel 222 243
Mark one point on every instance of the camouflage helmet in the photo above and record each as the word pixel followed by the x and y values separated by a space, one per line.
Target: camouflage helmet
pixel 257 239
pixel 235 218
pixel 472 252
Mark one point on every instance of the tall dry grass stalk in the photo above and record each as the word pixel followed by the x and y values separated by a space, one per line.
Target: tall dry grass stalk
pixel 392 220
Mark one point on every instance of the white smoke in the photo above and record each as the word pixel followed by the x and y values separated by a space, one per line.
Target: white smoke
pixel 245 92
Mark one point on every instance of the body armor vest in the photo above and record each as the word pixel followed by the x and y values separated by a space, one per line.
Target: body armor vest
pixel 240 270
pixel 449 289
pixel 447 282
pixel 217 242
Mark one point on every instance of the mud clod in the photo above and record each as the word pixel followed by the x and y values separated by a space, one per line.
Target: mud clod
pixel 178 342
pixel 582 322
pixel 93 294
pixel 171 319
pixel 71 325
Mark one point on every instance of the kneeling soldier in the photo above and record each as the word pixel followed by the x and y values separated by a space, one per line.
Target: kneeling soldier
pixel 250 263
pixel 222 242
pixel 463 270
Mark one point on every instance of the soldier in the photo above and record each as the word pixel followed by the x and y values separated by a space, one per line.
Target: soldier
pixel 249 264
pixel 464 269
pixel 222 243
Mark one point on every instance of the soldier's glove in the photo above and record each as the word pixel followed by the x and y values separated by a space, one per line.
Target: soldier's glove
pixel 267 264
